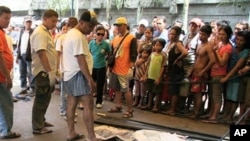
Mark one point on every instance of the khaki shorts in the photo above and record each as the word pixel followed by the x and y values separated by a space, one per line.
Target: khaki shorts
pixel 120 82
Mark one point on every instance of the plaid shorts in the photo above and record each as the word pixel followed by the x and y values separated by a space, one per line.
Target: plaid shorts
pixel 77 85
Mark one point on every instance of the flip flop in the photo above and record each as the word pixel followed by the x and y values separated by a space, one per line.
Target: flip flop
pixel 214 121
pixel 76 137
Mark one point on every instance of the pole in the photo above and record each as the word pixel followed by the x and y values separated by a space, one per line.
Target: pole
pixel 72 8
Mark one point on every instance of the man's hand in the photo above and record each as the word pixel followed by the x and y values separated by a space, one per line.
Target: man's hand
pixel 92 86
pixel 52 78
pixel 9 83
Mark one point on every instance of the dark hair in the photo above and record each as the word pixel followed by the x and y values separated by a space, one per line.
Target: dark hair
pixel 99 27
pixel 107 32
pixel 246 35
pixel 177 30
pixel 72 22
pixel 63 24
pixel 4 9
pixel 50 13
pixel 206 29
pixel 150 28
pixel 159 40
pixel 228 31
pixel 147 49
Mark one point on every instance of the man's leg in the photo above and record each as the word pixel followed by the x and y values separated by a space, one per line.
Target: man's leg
pixel 6 110
pixel 71 107
pixel 88 116
pixel 23 74
pixel 41 101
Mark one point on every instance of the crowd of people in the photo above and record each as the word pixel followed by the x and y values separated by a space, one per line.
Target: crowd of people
pixel 155 67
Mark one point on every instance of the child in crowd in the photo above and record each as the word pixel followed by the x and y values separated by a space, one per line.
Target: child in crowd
pixel 141 66
pixel 154 74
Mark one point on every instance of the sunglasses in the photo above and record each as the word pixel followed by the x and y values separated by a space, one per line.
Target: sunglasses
pixel 100 34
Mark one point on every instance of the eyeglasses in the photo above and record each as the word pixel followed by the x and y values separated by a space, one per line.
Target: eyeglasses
pixel 100 34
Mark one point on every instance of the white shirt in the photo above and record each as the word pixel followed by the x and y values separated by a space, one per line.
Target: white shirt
pixel 75 43
pixel 24 42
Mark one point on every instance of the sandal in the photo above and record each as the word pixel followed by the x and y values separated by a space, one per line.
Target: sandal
pixel 128 114
pixel 169 113
pixel 76 137
pixel 115 110
pixel 11 135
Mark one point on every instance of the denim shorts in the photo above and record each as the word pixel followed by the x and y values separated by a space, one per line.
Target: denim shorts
pixel 77 85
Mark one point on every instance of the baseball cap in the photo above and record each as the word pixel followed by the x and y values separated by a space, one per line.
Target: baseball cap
pixel 89 16
pixel 196 21
pixel 143 22
pixel 27 18
pixel 121 20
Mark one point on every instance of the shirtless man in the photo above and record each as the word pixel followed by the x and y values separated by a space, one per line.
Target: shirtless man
pixel 204 61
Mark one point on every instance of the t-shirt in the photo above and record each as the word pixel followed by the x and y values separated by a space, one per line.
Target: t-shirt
pixel 59 47
pixel 7 54
pixel 75 43
pixel 41 39
pixel 218 70
pixel 155 66
pixel 99 53
pixel 122 60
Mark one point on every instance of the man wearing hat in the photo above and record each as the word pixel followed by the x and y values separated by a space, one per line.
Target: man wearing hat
pixel 24 56
pixel 125 46
pixel 139 34
pixel 77 68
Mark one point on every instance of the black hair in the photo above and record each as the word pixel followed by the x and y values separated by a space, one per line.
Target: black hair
pixel 246 35
pixel 228 31
pixel 50 13
pixel 177 30
pixel 4 9
pixel 72 22
pixel 99 27
pixel 159 40
pixel 147 49
pixel 150 28
pixel 206 29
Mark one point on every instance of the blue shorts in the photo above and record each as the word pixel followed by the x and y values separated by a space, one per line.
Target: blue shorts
pixel 77 85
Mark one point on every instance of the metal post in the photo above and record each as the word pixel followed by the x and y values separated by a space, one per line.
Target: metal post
pixel 72 8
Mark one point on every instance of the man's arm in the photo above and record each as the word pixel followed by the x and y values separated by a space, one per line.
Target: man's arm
pixel 44 60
